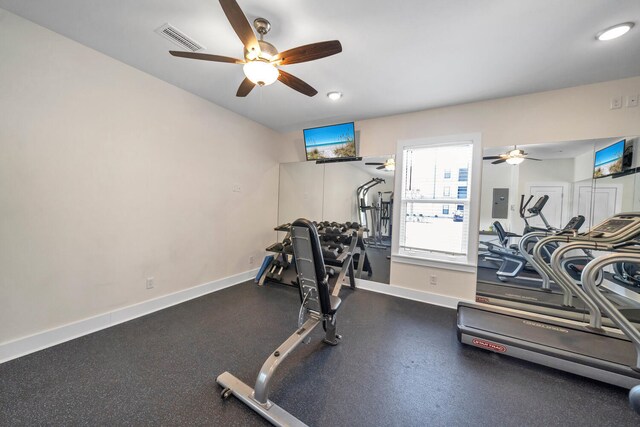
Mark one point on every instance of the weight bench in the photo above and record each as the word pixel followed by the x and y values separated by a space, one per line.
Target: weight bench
pixel 318 307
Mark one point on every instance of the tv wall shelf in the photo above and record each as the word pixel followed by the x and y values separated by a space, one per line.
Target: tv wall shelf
pixel 629 171
pixel 339 159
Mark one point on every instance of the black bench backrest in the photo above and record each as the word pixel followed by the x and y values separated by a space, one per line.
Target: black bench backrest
pixel 312 274
pixel 502 234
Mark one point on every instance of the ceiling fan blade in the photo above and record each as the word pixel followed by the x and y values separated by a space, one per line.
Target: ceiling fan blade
pixel 531 158
pixel 308 52
pixel 245 87
pixel 374 163
pixel 495 162
pixel 240 25
pixel 491 157
pixel 380 167
pixel 205 57
pixel 296 84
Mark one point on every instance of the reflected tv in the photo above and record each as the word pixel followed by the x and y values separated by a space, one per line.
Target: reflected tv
pixel 330 142
pixel 610 160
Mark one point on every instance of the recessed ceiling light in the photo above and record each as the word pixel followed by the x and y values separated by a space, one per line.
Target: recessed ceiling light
pixel 334 96
pixel 614 32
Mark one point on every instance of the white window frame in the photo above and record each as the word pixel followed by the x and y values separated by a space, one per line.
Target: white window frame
pixel 434 259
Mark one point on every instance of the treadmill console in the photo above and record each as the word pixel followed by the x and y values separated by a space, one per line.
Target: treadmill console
pixel 614 226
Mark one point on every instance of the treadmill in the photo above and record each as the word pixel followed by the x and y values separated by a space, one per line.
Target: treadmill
pixel 589 349
pixel 516 285
pixel 560 292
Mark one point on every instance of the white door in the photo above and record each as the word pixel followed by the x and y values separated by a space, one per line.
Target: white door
pixel 600 203
pixel 582 202
pixel 555 211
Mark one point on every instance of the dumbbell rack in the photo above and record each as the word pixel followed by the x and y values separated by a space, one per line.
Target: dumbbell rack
pixel 335 238
pixel 280 261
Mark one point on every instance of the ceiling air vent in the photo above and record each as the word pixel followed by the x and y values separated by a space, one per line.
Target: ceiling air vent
pixel 171 33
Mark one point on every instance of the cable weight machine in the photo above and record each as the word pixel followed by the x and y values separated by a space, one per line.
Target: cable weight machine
pixel 375 216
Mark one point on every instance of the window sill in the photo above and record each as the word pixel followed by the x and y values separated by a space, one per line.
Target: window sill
pixel 435 263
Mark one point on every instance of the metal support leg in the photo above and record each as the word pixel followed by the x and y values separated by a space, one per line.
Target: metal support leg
pixel 258 398
pixel 352 277
pixel 261 389
pixel 331 337
pixel 361 262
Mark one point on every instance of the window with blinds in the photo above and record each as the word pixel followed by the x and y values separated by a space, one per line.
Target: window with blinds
pixel 434 201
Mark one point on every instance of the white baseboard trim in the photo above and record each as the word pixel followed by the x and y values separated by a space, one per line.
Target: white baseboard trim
pixel 39 341
pixel 412 294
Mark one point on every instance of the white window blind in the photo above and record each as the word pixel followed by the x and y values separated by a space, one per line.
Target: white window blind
pixel 435 222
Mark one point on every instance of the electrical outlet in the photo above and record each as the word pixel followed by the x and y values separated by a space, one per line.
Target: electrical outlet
pixel 236 188
pixel 149 282
pixel 433 280
pixel 616 102
pixel 251 260
pixel 632 101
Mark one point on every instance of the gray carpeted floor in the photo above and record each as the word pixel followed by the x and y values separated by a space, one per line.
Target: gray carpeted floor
pixel 399 363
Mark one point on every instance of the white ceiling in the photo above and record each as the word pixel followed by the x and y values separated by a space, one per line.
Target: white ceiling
pixel 397 56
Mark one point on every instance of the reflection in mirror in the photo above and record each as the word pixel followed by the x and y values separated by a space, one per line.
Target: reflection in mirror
pixel 527 193
pixel 560 240
pixel 336 196
pixel 615 191
pixel 562 189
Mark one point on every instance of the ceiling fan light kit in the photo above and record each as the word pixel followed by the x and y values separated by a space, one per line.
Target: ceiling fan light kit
pixel 515 160
pixel 261 58
pixel 512 157
pixel 260 72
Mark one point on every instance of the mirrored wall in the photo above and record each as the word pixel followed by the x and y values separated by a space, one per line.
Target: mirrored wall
pixel 544 188
pixel 341 194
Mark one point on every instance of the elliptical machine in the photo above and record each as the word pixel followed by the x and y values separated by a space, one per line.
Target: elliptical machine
pixel 515 258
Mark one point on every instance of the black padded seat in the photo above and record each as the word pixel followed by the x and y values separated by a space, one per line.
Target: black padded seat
pixel 504 236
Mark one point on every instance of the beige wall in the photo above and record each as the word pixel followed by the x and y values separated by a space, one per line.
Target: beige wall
pixel 323 192
pixel 569 114
pixel 340 183
pixel 300 192
pixel 109 176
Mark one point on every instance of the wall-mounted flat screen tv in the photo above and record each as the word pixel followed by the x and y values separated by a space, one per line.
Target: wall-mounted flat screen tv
pixel 330 142
pixel 609 160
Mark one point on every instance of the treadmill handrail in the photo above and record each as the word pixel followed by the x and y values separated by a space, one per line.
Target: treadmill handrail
pixel 589 243
pixel 595 317
pixel 589 284
pixel 546 280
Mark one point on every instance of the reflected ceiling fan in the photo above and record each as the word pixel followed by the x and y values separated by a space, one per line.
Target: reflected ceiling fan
pixel 513 157
pixel 389 165
pixel 261 59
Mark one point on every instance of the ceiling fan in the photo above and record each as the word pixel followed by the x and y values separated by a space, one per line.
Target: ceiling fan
pixel 389 164
pixel 513 157
pixel 261 59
